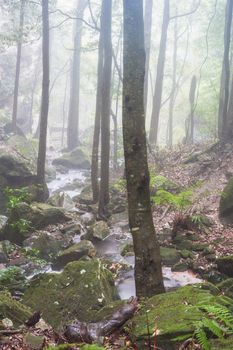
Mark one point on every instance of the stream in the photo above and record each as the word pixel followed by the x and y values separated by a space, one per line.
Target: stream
pixel 72 184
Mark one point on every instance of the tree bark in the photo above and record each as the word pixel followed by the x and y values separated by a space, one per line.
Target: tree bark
pixel 106 107
pixel 98 108
pixel 73 117
pixel 45 95
pixel 173 92
pixel 224 94
pixel 153 135
pixel 18 63
pixel 148 272
pixel 148 28
pixel 189 138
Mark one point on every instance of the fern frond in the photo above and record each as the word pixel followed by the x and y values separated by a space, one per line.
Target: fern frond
pixel 201 337
pixel 214 327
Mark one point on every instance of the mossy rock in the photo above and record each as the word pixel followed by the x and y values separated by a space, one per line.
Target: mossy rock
pixel 14 310
pixel 222 344
pixel 73 253
pixel 12 279
pixel 226 203
pixel 226 287
pixel 99 230
pixel 160 182
pixel 75 159
pixel 46 244
pixel 73 346
pixel 126 249
pixel 37 215
pixel 82 289
pixel 225 265
pixel 174 313
pixel 170 256
pixel 180 267
pixel 85 197
pixel 186 254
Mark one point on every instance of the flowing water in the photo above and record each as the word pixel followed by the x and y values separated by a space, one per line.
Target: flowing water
pixel 72 184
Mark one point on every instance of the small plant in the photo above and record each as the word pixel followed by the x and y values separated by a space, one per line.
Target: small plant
pixel 34 256
pixel 179 201
pixel 120 185
pixel 22 226
pixel 15 197
pixel 217 321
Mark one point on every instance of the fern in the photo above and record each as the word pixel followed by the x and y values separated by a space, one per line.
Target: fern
pixel 201 336
pixel 179 201
pixel 217 321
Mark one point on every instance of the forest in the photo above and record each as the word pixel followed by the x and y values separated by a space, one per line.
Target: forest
pixel 116 175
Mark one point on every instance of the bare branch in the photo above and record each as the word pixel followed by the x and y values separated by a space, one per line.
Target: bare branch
pixel 187 13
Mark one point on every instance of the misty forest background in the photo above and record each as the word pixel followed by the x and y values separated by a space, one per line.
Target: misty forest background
pixel 116 174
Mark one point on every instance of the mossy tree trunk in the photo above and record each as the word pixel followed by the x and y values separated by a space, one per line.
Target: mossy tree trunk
pixel 105 106
pixel 18 63
pixel 73 117
pixel 154 124
pixel 45 95
pixel 148 272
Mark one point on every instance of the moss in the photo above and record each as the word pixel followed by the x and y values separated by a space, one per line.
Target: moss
pixel 170 256
pixel 12 309
pixel 222 344
pixel 12 279
pixel 75 252
pixel 227 287
pixel 160 182
pixel 226 202
pixel 82 289
pixel 174 313
pixel 73 346
pixel 225 265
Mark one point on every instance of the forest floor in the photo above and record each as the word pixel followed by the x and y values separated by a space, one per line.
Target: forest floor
pixel 205 169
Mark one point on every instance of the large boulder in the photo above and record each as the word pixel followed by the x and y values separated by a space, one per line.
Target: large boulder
pixel 75 159
pixel 24 218
pixel 13 310
pixel 226 203
pixel 82 289
pixel 18 168
pixel 73 253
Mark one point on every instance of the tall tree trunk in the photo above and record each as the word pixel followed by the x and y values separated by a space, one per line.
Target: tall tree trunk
pixel 73 117
pixel 106 107
pixel 147 29
pixel 224 94
pixel 96 136
pixel 148 272
pixel 18 63
pixel 45 95
pixel 154 124
pixel 230 116
pixel 173 92
pixel 189 138
pixel 64 113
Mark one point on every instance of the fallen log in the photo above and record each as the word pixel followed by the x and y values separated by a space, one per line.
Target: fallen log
pixel 92 332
